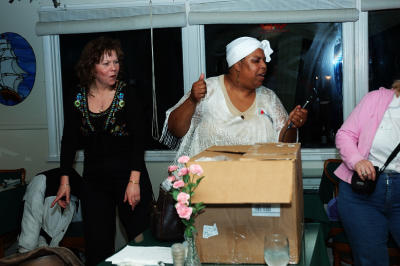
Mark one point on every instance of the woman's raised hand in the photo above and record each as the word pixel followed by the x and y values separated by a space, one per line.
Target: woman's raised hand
pixel 199 90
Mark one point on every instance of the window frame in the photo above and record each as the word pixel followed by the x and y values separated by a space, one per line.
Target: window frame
pixel 355 82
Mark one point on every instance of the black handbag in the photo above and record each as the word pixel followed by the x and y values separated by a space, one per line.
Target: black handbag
pixel 368 186
pixel 165 222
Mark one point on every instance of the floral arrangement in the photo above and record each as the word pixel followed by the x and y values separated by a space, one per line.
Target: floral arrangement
pixel 184 182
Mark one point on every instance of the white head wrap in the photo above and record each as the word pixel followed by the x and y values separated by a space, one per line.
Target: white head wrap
pixel 243 46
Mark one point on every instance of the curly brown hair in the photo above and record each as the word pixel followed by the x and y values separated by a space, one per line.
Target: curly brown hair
pixel 92 54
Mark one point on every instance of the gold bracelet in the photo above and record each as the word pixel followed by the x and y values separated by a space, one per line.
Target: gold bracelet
pixel 134 182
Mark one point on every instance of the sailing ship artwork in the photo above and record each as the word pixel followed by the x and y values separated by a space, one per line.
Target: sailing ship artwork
pixel 17 68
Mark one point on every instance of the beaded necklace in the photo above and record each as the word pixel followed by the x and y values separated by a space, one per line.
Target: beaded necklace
pixel 117 104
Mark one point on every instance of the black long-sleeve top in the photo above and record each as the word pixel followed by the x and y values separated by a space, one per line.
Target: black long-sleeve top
pixel 112 140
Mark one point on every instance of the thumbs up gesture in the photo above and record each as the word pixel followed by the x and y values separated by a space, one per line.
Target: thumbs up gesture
pixel 199 90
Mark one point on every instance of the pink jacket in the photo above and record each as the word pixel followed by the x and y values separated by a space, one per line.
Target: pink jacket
pixel 354 138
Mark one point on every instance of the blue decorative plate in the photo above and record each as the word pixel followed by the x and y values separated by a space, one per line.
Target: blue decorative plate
pixel 17 68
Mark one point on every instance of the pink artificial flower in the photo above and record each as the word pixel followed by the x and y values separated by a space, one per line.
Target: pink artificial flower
pixel 171 178
pixel 172 168
pixel 183 171
pixel 178 184
pixel 183 211
pixel 196 169
pixel 183 159
pixel 183 198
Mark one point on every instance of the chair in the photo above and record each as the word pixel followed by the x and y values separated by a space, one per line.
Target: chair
pixel 19 173
pixel 336 238
pixel 12 190
pixel 42 186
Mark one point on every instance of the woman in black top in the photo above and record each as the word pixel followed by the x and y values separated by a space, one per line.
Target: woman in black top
pixel 105 119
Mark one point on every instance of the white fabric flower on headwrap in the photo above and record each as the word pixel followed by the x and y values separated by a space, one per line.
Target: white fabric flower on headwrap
pixel 243 46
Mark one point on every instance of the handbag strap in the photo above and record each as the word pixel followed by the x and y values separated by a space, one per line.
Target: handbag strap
pixel 391 157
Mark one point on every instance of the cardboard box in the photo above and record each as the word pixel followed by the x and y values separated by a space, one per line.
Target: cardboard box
pixel 237 190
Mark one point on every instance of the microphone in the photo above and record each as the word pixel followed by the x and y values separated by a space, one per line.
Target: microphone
pixel 309 100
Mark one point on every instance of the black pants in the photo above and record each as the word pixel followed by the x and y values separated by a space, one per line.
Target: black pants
pixel 100 197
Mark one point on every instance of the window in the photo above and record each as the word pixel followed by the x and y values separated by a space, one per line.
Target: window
pixel 384 53
pixel 326 43
pixel 137 69
pixel 306 56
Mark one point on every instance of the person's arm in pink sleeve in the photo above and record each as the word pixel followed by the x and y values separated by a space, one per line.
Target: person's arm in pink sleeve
pixel 348 135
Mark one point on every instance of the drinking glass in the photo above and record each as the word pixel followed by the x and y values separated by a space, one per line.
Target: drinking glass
pixel 276 250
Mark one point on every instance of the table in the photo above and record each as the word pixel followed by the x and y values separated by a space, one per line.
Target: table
pixel 314 248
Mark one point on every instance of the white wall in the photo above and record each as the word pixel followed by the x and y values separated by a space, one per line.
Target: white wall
pixel 23 127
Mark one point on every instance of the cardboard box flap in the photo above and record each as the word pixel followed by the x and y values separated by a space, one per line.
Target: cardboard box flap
pixel 246 182
pixel 217 156
pixel 260 151
pixel 233 149
pixel 272 151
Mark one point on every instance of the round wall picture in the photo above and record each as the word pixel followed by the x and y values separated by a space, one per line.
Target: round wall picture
pixel 17 68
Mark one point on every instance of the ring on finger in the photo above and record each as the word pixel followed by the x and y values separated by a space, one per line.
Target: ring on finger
pixel 301 120
pixel 364 173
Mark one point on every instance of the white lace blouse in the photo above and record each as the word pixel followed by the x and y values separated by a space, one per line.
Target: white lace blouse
pixel 217 122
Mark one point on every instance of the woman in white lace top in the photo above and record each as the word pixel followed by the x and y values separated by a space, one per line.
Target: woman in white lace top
pixel 232 109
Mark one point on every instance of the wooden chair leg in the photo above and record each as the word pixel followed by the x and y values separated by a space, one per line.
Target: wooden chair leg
pixel 336 258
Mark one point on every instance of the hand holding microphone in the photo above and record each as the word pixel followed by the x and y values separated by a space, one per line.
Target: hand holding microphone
pixel 298 116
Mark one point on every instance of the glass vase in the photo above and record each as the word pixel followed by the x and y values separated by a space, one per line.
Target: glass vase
pixel 192 258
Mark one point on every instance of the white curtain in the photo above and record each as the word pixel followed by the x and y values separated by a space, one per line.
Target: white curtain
pixel 271 11
pixel 368 5
pixel 85 19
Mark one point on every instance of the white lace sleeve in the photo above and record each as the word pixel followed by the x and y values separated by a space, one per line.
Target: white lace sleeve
pixel 280 114
pixel 167 138
pixel 273 104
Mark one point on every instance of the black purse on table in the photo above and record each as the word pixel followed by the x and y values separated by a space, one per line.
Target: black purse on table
pixel 368 186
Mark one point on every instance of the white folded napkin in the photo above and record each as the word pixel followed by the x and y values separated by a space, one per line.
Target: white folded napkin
pixel 132 255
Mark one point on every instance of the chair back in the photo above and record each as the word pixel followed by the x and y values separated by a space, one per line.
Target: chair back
pixel 12 189
pixel 10 174
pixel 329 186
